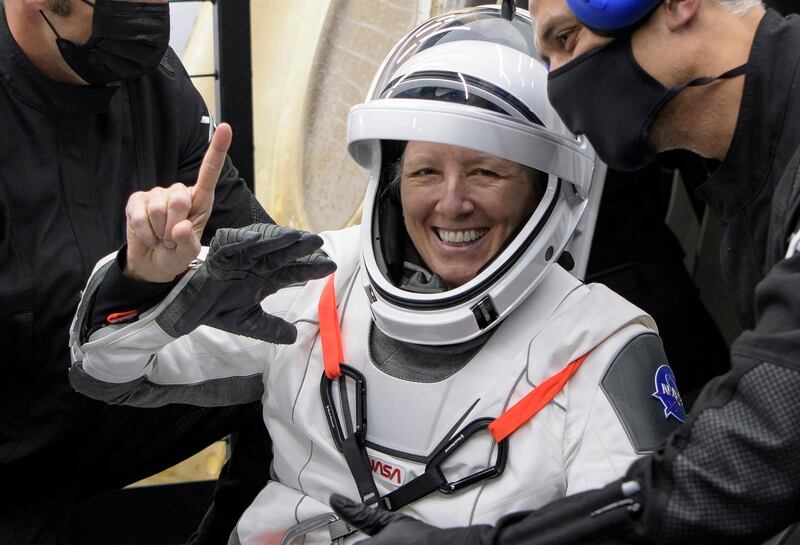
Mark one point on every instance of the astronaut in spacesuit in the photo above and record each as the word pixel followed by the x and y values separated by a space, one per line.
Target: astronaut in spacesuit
pixel 491 379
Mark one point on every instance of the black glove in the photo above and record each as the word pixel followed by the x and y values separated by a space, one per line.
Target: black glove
pixel 391 528
pixel 604 516
pixel 398 529
pixel 243 267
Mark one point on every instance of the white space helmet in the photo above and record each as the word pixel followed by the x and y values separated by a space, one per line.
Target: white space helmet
pixel 471 79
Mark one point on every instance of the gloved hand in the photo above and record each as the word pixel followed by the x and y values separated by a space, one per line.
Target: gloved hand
pixel 387 527
pixel 602 516
pixel 596 517
pixel 244 266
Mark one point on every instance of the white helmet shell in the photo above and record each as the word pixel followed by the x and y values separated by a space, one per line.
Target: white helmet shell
pixel 493 68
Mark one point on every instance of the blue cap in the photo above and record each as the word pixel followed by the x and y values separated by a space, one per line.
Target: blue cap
pixel 608 16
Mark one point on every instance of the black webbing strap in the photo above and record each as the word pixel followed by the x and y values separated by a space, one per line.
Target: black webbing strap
pixel 417 488
pixel 339 529
pixel 355 454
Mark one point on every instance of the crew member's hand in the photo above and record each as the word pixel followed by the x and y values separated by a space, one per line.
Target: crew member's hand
pixel 605 516
pixel 243 267
pixel 164 225
pixel 387 528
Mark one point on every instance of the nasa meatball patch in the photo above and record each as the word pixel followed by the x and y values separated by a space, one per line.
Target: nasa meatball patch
pixel 643 391
pixel 667 393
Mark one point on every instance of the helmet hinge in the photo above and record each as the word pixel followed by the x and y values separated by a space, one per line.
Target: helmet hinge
pixel 485 313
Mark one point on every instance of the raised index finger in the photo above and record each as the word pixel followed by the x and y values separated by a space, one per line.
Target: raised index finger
pixel 212 164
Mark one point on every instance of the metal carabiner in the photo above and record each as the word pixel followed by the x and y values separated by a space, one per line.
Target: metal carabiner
pixel 308 526
pixel 337 528
pixel 446 450
pixel 331 414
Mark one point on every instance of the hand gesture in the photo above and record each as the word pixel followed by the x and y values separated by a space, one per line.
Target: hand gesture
pixel 242 268
pixel 164 225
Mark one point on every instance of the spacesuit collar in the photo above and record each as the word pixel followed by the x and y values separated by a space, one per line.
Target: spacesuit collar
pixel 41 92
pixel 418 362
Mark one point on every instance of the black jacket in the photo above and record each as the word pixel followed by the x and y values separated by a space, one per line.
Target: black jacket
pixel 70 158
pixel 731 473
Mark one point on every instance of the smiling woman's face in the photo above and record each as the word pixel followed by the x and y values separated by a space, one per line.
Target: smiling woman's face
pixel 461 205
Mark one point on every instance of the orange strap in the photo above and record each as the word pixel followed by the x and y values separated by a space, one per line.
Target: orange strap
pixel 330 335
pixel 503 426
pixel 116 317
pixel 527 407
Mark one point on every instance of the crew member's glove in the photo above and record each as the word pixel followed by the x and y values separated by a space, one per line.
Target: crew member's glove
pixel 604 516
pixel 389 528
pixel 243 267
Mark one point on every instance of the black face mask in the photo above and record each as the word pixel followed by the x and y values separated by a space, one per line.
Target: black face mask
pixel 606 95
pixel 128 40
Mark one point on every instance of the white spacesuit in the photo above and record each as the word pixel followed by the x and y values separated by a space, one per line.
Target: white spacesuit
pixel 430 370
